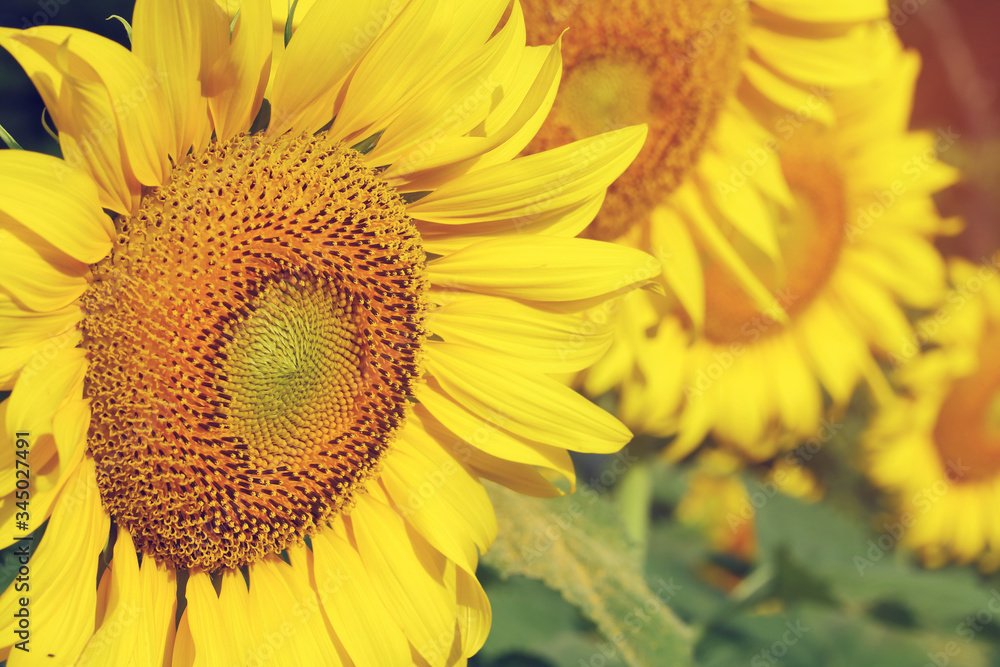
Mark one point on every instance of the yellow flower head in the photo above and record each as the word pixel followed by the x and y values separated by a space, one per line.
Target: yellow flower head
pixel 937 451
pixel 673 65
pixel 269 383
pixel 754 330
pixel 716 82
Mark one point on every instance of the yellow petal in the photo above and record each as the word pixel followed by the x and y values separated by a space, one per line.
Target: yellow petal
pixel 548 342
pixel 745 417
pixel 279 594
pixel 520 477
pixel 835 351
pixel 237 81
pixel 183 648
pixel 696 421
pixel 544 268
pixel 71 218
pixel 681 263
pixel 141 601
pixel 397 561
pixel 474 613
pixel 326 45
pixel 182 41
pixel 69 428
pixel 842 61
pixel 36 274
pixel 845 11
pixel 33 355
pixel 361 620
pixel 45 405
pixel 742 148
pixel 719 248
pixel 527 82
pixel 26 328
pixel 568 221
pixel 463 101
pixel 484 430
pixel 566 175
pixel 208 632
pixel 797 395
pixel 439 498
pixel 454 157
pixel 63 576
pixel 77 106
pixel 38 395
pixel 875 312
pixel 805 104
pixel 743 207
pixel 19 450
pixel 107 105
pixel 911 267
pixel 430 37
pixel 533 405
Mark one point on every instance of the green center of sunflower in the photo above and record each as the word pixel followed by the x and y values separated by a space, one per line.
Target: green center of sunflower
pixel 671 65
pixel 253 340
pixel 967 432
pixel 295 365
pixel 810 239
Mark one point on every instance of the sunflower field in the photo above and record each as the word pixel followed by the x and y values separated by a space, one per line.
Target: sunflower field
pixel 500 333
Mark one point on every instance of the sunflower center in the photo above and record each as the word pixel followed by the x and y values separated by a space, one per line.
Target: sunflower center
pixel 967 432
pixel 253 340
pixel 670 65
pixel 810 239
pixel 295 365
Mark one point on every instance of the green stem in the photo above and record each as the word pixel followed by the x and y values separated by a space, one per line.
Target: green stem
pixel 634 496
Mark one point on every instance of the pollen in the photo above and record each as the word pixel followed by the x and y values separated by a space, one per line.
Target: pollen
pixel 254 341
pixel 811 237
pixel 671 65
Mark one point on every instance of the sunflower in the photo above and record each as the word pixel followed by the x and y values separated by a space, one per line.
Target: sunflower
pixel 262 355
pixel 717 82
pixel 850 247
pixel 725 86
pixel 935 451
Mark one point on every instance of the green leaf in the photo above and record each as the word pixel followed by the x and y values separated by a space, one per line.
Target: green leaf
pixel 576 545
pixel 288 22
pixel 817 552
pixel 9 139
pixel 808 635
pixel 366 145
pixel 680 552
pixel 128 26
pixel 525 613
pixel 576 649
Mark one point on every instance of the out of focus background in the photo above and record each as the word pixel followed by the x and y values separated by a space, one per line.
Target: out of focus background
pixel 788 582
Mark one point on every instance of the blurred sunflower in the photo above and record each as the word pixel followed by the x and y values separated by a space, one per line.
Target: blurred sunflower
pixel 716 82
pixel 724 86
pixel 266 389
pixel 700 74
pixel 937 451
pixel 848 248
